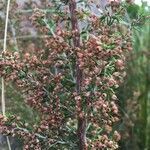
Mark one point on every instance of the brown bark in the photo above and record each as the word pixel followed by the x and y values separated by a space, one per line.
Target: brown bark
pixel 81 131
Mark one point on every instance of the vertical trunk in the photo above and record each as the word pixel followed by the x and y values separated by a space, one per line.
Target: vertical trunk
pixel 81 131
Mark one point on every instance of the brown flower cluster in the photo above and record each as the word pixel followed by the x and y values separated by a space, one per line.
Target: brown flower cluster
pixel 71 82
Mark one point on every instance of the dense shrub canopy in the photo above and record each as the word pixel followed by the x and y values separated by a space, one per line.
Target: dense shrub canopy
pixel 72 80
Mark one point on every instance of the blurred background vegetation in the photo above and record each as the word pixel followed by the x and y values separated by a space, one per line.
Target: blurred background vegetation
pixel 134 94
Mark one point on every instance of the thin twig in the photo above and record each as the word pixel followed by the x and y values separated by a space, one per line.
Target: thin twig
pixel 8 143
pixel 3 97
pixel 3 83
pixel 6 25
pixel 31 10
pixel 27 37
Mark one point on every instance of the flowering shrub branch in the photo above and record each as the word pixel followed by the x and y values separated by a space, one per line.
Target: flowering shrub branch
pixel 71 82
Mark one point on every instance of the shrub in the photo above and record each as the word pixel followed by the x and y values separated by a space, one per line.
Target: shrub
pixel 71 82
